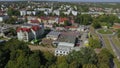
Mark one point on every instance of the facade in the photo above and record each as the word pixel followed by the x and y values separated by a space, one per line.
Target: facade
pixel 60 51
pixel 23 12
pixel 29 32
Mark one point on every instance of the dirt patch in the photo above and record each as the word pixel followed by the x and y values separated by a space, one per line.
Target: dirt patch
pixel 41 48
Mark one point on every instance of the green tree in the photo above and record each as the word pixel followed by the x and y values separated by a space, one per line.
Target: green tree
pixel 103 65
pixel 118 33
pixel 67 23
pixel 13 12
pixel 96 25
pixel 84 56
pixel 89 66
pixel 83 19
pixel 63 65
pixel 62 62
pixel 11 20
pixel 50 58
pixel 4 56
pixel 94 43
pixel 74 64
pixel 104 58
pixel 34 60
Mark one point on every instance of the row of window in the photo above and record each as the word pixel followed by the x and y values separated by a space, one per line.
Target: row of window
pixel 62 52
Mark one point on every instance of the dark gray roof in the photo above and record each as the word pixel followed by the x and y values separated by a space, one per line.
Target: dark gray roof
pixel 69 37
pixel 53 33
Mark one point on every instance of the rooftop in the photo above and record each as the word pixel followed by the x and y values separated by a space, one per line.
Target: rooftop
pixel 53 33
pixel 68 37
pixel 28 27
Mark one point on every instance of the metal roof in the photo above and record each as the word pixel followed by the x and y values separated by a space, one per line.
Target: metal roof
pixel 53 33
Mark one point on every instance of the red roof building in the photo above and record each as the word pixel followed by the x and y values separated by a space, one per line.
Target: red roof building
pixel 34 21
pixel 23 29
pixel 62 19
pixel 116 26
pixel 35 28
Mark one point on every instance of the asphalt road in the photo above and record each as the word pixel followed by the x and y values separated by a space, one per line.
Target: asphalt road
pixel 102 41
pixel 115 48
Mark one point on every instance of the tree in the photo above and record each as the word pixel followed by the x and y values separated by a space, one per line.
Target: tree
pixel 103 65
pixel 13 12
pixel 104 58
pixel 12 31
pixel 96 25
pixel 50 58
pixel 62 62
pixel 118 33
pixel 109 19
pixel 84 56
pixel 89 66
pixel 63 65
pixel 94 43
pixel 11 20
pixel 74 64
pixel 34 60
pixel 19 62
pixel 53 66
pixel 67 23
pixel 41 13
pixel 4 56
pixel 83 19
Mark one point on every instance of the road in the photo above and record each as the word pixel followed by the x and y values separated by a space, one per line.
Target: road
pixel 102 41
pixel 115 48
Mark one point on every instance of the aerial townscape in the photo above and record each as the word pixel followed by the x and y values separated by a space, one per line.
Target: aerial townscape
pixel 59 34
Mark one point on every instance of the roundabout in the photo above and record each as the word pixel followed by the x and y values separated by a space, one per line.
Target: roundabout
pixel 104 31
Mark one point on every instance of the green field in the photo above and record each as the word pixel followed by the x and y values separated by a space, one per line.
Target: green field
pixel 102 31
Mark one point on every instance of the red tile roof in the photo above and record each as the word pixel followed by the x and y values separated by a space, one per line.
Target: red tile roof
pixel 23 29
pixel 18 29
pixel 34 21
pixel 62 19
pixel 35 28
pixel 116 26
pixel 44 18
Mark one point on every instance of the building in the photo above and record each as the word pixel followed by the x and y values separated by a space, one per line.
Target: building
pixel 3 17
pixel 65 43
pixel 2 41
pixel 53 35
pixel 23 12
pixel 62 51
pixel 29 32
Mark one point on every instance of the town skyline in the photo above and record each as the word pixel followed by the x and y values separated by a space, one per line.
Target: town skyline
pixel 70 0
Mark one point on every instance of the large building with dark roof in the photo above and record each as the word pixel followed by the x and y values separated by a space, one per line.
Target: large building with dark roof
pixel 66 43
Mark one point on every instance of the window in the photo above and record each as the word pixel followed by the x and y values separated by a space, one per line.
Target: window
pixel 56 51
pixel 60 51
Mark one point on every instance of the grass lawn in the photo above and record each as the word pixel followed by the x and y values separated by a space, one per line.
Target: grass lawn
pixel 107 43
pixel 102 31
pixel 116 41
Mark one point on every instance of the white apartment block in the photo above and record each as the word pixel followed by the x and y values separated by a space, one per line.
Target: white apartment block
pixel 29 32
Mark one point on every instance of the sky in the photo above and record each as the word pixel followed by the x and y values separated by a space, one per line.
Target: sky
pixel 71 0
